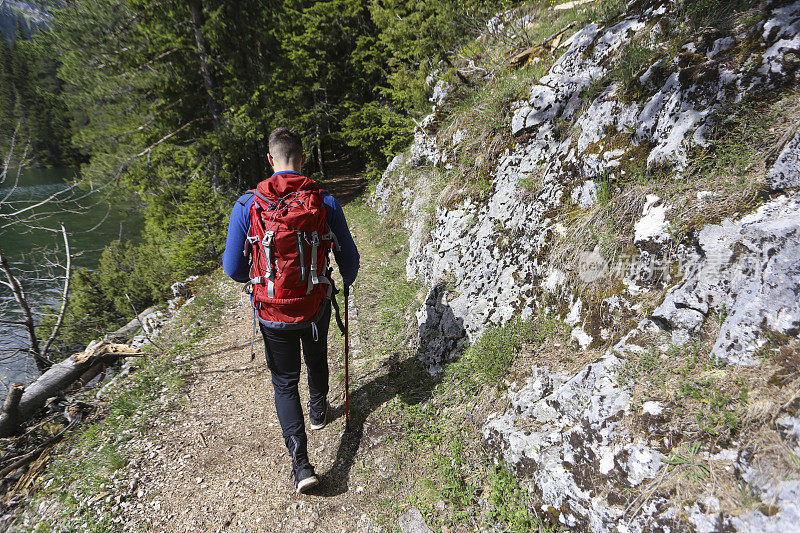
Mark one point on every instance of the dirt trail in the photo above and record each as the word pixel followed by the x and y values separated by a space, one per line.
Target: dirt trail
pixel 218 463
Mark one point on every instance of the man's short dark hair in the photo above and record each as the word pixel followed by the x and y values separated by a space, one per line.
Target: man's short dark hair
pixel 285 144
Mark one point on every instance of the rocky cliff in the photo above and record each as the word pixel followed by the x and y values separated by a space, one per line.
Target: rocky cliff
pixel 646 195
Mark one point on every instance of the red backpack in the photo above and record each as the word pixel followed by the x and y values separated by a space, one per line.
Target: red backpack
pixel 289 240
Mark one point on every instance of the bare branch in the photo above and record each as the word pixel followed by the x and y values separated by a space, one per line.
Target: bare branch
pixel 161 56
pixel 64 295
pixel 50 198
pixel 19 296
pixel 7 160
pixel 170 135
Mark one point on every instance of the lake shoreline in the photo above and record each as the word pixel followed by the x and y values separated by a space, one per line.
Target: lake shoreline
pixel 31 251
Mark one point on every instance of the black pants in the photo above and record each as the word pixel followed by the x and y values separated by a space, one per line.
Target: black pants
pixel 283 359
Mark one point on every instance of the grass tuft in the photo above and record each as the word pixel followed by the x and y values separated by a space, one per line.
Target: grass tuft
pixel 487 360
pixel 634 57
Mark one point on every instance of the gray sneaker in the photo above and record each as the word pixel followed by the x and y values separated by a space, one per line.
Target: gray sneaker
pixel 317 420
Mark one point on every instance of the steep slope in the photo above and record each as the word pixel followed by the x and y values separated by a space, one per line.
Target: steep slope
pixel 645 192
pixel 28 14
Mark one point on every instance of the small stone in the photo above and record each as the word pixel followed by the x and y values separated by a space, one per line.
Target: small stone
pixel 652 408
pixel 412 522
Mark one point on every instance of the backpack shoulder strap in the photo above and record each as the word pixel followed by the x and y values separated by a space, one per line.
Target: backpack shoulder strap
pixel 245 198
pixel 264 199
pixel 250 239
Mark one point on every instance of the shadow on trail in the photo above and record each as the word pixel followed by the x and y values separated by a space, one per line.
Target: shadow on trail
pixel 235 350
pixel 407 379
pixel 346 180
pixel 347 188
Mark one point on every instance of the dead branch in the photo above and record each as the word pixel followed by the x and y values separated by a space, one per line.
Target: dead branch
pixel 57 196
pixel 4 174
pixel 548 45
pixel 22 301
pixel 160 57
pixel 170 135
pixel 64 296
pixel 27 217
pixel 153 119
pixel 7 159
pixel 33 455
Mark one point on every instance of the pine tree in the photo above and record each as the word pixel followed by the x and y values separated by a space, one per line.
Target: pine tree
pixel 419 37
pixel 7 98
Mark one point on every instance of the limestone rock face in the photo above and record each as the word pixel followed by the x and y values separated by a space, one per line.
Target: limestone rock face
pixel 412 521
pixel 574 71
pixel 495 250
pixel 749 268
pixel 785 174
pixel 652 229
pixel 486 259
pixel 575 421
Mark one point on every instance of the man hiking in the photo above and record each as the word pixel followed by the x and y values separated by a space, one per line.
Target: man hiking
pixel 279 238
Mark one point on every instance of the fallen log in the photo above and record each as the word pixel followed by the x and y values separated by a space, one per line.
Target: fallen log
pixel 94 371
pixel 126 332
pixel 570 5
pixel 547 46
pixel 11 405
pixel 22 402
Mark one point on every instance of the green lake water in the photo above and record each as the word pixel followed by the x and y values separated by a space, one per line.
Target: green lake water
pixel 91 219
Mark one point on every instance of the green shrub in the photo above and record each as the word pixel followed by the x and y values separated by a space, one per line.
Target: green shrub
pixel 488 359
pixel 201 229
pixel 510 506
pixel 99 299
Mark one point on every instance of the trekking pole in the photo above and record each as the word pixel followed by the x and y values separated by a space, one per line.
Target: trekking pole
pixel 346 360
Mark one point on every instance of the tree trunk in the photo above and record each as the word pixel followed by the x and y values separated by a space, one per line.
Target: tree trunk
pixel 11 405
pixel 196 12
pixel 320 156
pixel 318 135
pixel 126 332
